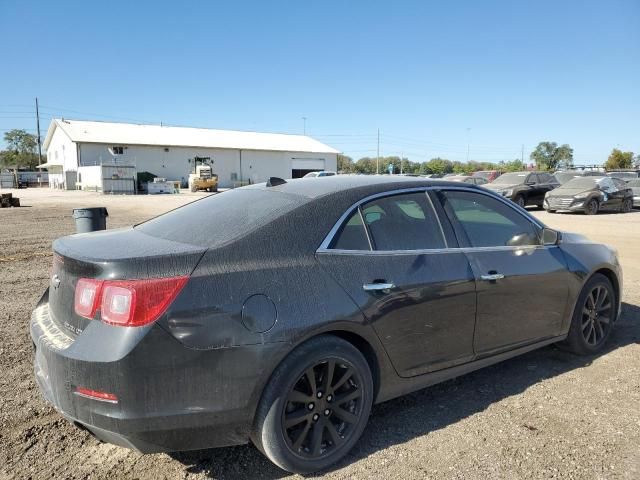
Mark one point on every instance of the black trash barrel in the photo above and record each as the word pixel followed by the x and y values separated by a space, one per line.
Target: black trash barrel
pixel 90 219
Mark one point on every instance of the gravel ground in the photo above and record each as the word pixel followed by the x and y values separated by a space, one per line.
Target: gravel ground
pixel 547 414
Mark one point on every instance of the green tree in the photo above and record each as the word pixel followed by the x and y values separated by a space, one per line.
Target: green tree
pixel 345 164
pixel 619 159
pixel 438 166
pixel 512 166
pixel 21 150
pixel 550 156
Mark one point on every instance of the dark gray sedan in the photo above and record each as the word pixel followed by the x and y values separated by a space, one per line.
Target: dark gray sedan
pixel 281 312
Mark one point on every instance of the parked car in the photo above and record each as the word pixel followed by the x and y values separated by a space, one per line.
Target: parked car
pixel 634 185
pixel 566 175
pixel 323 173
pixel 625 175
pixel 489 175
pixel 524 188
pixel 235 318
pixel 467 179
pixel 590 195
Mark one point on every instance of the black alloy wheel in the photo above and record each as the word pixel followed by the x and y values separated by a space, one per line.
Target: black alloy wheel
pixel 596 315
pixel 627 205
pixel 592 207
pixel 323 408
pixel 315 406
pixel 593 317
pixel 519 200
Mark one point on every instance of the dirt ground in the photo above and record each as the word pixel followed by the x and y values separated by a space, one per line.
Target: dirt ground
pixel 547 414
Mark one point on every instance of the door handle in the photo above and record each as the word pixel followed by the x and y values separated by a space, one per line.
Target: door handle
pixel 492 277
pixel 376 287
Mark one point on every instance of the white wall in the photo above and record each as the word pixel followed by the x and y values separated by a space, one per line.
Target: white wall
pixel 257 166
pixel 61 151
pixel 90 177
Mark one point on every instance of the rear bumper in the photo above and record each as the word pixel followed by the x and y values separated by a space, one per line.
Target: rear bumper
pixel 170 397
pixel 636 201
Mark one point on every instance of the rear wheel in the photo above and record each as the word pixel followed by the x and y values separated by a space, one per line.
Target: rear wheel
pixel 519 200
pixel 315 406
pixel 592 207
pixel 593 316
pixel 627 205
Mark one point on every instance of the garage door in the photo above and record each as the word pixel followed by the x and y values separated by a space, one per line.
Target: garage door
pixel 301 166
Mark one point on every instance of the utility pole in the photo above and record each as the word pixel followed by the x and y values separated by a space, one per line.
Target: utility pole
pixel 401 154
pixel 38 129
pixel 522 155
pixel 304 125
pixel 378 155
pixel 468 142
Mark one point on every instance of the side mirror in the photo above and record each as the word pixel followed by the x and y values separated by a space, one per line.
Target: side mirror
pixel 551 237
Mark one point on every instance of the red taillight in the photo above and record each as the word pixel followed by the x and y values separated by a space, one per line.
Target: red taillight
pixel 131 303
pixel 87 297
pixel 96 395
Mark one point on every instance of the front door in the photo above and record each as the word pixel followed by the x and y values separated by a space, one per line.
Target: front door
pixel 522 286
pixel 418 295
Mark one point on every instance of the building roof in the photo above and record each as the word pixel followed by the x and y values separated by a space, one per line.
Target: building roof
pixel 82 131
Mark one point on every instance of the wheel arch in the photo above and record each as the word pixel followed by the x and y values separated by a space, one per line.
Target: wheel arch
pixel 613 278
pixel 365 343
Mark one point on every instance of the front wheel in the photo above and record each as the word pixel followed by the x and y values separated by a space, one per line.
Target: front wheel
pixel 592 207
pixel 627 205
pixel 520 201
pixel 315 406
pixel 593 316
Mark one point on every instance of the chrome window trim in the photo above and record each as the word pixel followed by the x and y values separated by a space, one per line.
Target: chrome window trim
pixel 366 230
pixel 436 250
pixel 324 246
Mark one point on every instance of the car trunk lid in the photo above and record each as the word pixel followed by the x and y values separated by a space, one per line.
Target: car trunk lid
pixel 114 255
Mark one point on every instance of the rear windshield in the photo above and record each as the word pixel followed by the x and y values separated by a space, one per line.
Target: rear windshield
pixel 222 218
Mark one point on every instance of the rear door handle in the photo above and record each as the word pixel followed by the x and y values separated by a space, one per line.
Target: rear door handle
pixel 376 287
pixel 492 277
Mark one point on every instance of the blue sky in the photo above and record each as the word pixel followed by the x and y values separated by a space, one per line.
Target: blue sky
pixel 431 75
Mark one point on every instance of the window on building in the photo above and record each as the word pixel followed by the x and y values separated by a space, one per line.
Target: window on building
pixel 118 150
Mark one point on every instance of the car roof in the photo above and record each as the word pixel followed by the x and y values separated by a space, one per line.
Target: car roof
pixel 318 187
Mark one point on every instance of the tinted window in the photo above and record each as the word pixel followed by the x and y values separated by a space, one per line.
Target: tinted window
pixel 488 222
pixel 403 222
pixel 352 235
pixel 219 219
pixel 620 184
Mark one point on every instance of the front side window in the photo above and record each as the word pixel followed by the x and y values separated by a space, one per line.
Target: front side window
pixel 403 222
pixel 488 222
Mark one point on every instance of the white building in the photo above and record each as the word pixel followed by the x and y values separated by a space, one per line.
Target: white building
pixel 81 153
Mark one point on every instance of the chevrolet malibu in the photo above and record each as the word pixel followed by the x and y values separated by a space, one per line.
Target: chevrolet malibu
pixel 279 313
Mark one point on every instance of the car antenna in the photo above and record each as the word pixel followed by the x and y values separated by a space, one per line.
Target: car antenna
pixel 275 181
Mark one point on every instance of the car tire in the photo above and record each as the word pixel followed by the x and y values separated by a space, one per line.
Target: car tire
pixel 593 317
pixel 627 205
pixel 592 207
pixel 303 393
pixel 519 200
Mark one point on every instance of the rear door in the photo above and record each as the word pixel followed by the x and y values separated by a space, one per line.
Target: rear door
pixel 391 256
pixel 521 285
pixel 616 194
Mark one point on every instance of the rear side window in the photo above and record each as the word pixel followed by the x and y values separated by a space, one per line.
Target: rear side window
pixel 218 219
pixel 403 222
pixel 352 235
pixel 487 222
